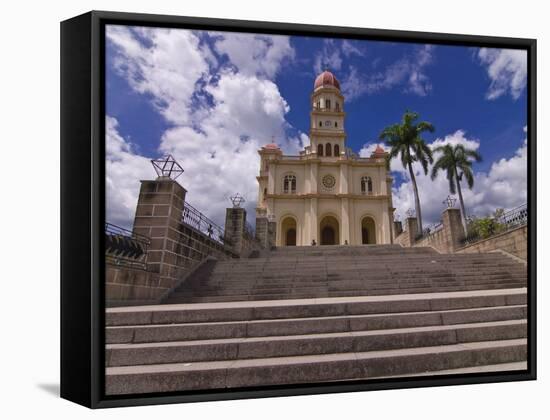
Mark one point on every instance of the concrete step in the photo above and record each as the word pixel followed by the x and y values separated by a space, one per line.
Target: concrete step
pixel 320 307
pixel 299 345
pixel 359 287
pixel 311 325
pixel 169 377
pixel 351 277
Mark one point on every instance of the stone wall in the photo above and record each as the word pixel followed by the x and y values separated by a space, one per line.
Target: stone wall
pixel 437 240
pixel 446 240
pixel 406 237
pixel 131 284
pixel 514 242
pixel 176 247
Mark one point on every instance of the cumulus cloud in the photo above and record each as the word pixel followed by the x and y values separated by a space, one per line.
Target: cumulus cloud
pixel 507 70
pixel 409 72
pixel 503 186
pixel 330 57
pixel 220 106
pixel 123 171
pixel 261 55
pixel 159 67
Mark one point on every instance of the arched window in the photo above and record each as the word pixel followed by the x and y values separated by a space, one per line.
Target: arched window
pixel 337 106
pixel 366 185
pixel 320 123
pixel 327 104
pixel 289 184
pixel 328 149
pixel 320 150
pixel 265 193
pixel 335 123
pixel 336 150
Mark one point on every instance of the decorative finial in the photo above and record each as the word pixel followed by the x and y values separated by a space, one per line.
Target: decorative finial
pixel 167 167
pixel 237 200
pixel 450 202
pixel 410 213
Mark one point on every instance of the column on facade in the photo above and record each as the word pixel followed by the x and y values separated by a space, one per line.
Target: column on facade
pixel 313 220
pixel 313 171
pixel 343 189
pixel 345 228
pixel 271 178
pixel 388 228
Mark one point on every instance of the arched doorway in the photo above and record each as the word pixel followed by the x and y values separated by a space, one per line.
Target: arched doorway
pixel 288 230
pixel 368 231
pixel 329 230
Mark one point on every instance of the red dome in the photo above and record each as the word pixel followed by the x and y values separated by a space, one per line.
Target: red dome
pixel 379 151
pixel 271 146
pixel 326 78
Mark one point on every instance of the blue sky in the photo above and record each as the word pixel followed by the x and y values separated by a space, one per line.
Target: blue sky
pixel 212 99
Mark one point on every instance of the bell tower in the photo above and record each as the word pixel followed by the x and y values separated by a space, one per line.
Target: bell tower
pixel 327 133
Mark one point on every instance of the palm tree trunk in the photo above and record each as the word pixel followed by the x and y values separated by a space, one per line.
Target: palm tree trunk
pixel 462 210
pixel 416 200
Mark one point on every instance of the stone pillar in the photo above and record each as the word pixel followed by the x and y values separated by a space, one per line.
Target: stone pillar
pixel 265 232
pixel 453 229
pixel 261 230
pixel 412 229
pixel 271 234
pixel 397 228
pixel 158 215
pixel 235 221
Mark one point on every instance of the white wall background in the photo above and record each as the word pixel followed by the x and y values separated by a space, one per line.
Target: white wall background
pixel 29 211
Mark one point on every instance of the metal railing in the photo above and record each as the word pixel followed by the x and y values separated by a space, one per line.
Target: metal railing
pixel 509 220
pixel 515 217
pixel 194 218
pixel 125 248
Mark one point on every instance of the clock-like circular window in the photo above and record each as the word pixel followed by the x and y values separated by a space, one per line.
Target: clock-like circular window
pixel 329 182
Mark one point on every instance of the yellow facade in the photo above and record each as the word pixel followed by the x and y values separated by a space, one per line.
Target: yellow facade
pixel 327 194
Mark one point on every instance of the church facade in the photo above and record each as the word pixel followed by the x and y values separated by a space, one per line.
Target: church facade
pixel 326 195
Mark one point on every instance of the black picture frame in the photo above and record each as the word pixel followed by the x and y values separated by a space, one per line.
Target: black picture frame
pixel 83 206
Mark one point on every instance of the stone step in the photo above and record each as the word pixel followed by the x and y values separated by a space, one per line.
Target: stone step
pixel 169 377
pixel 299 345
pixel 210 289
pixel 311 325
pixel 378 262
pixel 285 275
pixel 352 277
pixel 301 308
pixel 190 297
pixel 369 274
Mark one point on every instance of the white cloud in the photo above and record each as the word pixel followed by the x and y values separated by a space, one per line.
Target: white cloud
pixel 350 48
pixel 123 171
pixel 255 55
pixel 408 72
pixel 218 117
pixel 222 158
pixel 329 57
pixel 160 68
pixel 507 70
pixel 504 186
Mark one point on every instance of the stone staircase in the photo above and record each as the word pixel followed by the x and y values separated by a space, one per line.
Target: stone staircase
pixel 186 347
pixel 331 271
pixel 318 314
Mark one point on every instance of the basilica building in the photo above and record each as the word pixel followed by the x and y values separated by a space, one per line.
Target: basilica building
pixel 326 195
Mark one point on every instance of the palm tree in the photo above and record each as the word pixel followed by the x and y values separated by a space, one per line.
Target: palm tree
pixel 406 142
pixel 452 160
